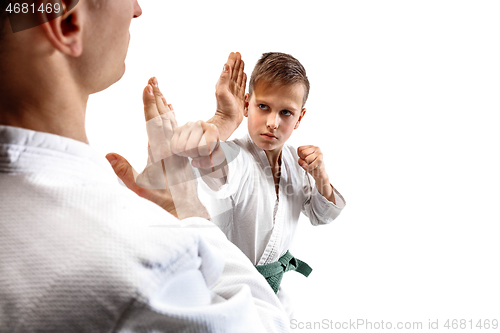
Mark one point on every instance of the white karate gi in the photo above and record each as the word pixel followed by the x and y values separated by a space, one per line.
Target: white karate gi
pixel 248 211
pixel 79 252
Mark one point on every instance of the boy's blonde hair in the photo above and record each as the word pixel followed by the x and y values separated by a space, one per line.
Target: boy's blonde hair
pixel 275 68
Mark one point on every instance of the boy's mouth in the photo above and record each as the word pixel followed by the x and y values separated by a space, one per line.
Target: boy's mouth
pixel 269 136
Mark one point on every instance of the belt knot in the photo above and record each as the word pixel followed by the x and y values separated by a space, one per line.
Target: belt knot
pixel 273 272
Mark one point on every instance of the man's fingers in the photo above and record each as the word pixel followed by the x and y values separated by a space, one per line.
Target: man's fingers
pixel 160 122
pixel 158 132
pixel 214 161
pixel 154 101
pixel 180 139
pixel 124 171
pixel 160 104
pixel 173 120
pixel 148 98
pixel 185 140
pixel 194 140
pixel 210 139
pixel 175 139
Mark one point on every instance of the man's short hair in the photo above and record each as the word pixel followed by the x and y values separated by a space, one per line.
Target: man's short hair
pixel 96 4
pixel 275 68
pixel 3 16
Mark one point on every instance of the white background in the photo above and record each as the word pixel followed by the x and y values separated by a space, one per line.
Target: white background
pixel 404 103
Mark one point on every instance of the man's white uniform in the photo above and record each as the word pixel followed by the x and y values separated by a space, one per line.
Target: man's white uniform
pixel 247 209
pixel 79 252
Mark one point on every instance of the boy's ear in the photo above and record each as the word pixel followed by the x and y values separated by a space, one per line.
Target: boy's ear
pixel 247 99
pixel 302 114
pixel 65 32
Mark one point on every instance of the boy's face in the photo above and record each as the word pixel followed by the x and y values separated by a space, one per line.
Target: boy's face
pixel 273 113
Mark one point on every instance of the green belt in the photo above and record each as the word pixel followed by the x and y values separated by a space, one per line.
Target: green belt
pixel 273 272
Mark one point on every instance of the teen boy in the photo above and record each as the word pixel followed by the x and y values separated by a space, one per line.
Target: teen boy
pixel 264 184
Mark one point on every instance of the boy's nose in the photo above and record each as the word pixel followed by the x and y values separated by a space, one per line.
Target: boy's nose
pixel 273 120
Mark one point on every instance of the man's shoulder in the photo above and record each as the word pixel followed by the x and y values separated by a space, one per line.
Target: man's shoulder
pixel 109 218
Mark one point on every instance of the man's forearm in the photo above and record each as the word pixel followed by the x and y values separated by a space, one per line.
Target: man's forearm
pixel 191 208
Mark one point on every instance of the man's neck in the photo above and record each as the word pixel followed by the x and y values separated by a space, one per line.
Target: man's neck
pixel 50 103
pixel 44 122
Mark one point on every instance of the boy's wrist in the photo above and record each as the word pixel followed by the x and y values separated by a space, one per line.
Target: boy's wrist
pixel 326 189
pixel 321 177
pixel 226 124
pixel 322 181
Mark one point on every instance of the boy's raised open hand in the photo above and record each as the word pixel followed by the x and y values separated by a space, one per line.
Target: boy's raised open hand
pixel 230 95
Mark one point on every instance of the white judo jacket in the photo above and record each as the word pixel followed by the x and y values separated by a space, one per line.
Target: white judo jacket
pixel 247 209
pixel 81 253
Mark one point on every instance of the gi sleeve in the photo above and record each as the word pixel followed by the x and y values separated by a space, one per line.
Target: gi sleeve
pixel 237 163
pixel 316 207
pixel 218 291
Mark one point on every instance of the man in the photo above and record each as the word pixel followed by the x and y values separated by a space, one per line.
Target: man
pixel 77 250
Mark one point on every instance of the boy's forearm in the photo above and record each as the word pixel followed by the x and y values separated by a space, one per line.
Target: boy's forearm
pixel 326 189
pixel 226 124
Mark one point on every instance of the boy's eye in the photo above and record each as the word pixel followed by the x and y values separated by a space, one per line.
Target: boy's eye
pixel 263 107
pixel 286 113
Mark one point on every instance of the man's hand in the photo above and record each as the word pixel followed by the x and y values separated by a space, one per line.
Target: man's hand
pixel 168 179
pixel 199 141
pixel 230 95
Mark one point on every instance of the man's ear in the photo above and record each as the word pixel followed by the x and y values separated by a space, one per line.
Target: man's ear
pixel 302 114
pixel 247 100
pixel 65 32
